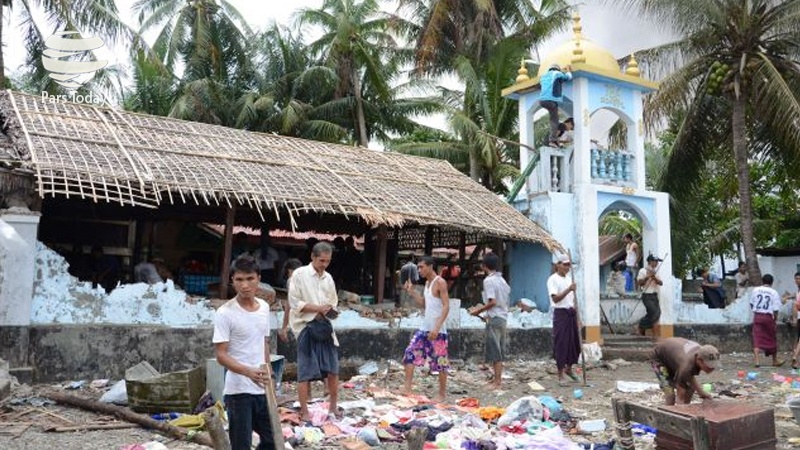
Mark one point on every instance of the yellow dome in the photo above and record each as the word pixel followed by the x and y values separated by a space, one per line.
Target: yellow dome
pixel 580 50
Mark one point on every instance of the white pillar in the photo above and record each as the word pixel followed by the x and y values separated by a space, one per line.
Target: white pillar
pixel 526 138
pixel 583 132
pixel 664 245
pixel 18 228
pixel 636 141
pixel 587 271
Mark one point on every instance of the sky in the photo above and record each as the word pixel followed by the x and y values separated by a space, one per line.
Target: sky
pixel 618 32
pixel 614 30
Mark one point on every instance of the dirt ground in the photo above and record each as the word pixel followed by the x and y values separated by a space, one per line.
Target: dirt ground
pixel 467 380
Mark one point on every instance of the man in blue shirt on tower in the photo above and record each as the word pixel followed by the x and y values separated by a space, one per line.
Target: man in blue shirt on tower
pixel 551 96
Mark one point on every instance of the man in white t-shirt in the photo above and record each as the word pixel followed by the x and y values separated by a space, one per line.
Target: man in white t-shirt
pixel 765 303
pixel 566 341
pixel 241 345
pixel 650 283
pixel 496 293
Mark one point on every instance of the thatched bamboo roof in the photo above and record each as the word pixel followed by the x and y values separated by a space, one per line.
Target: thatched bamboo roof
pixel 107 155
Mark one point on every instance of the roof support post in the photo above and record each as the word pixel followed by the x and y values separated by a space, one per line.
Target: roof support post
pixel 380 263
pixel 499 248
pixel 462 261
pixel 429 240
pixel 225 275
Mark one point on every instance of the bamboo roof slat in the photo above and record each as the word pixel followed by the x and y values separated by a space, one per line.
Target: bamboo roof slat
pixel 114 156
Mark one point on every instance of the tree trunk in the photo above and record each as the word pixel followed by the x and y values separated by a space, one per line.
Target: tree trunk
pixel 2 60
pixel 745 196
pixel 474 166
pixel 130 416
pixel 362 121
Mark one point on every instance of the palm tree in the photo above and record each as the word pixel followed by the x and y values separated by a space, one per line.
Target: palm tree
pixel 98 17
pixel 446 29
pixel 483 124
pixel 734 58
pixel 292 93
pixel 209 38
pixel 475 41
pixel 154 87
pixel 354 43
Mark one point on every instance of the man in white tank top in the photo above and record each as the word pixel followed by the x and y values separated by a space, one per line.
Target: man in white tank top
pixel 430 341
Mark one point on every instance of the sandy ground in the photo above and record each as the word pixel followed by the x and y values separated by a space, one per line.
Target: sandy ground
pixel 467 380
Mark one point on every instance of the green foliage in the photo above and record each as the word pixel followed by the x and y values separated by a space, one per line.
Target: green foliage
pixel 732 81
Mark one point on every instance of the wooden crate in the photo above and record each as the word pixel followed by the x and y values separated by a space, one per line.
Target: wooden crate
pixel 171 392
pixel 714 425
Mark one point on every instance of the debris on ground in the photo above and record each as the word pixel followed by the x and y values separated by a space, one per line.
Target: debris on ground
pixel 530 411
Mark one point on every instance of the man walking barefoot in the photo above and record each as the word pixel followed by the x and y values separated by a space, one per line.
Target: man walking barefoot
pixel 430 341
pixel 496 294
pixel 313 299
pixel 765 303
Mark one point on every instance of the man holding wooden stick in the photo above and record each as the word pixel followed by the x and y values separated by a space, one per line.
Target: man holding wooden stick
pixel 649 282
pixel 241 345
pixel 566 329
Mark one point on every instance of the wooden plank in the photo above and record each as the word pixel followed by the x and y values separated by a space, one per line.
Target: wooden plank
pixel 226 253
pixel 667 422
pixel 380 264
pixel 92 427
pixel 701 438
pixel 461 283
pixel 429 240
pixel 272 408
pixel 15 430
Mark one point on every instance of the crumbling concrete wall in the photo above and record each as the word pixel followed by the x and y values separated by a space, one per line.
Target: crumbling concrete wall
pixel 70 352
pixel 17 240
pixel 734 337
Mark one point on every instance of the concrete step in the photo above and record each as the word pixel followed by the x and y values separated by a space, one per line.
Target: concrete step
pixel 23 374
pixel 628 354
pixel 629 347
pixel 627 341
pixel 5 388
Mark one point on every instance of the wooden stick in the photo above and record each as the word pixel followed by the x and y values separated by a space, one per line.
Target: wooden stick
pixel 272 408
pixel 216 429
pixel 578 326
pixel 27 411
pixel 130 416
pixel 416 438
pixel 92 427
pixel 52 414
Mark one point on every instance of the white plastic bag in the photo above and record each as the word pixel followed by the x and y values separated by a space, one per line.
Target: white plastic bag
pixel 118 394
pixel 527 408
pixel 593 353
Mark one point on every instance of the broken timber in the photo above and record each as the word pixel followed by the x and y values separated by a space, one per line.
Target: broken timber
pixel 130 416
